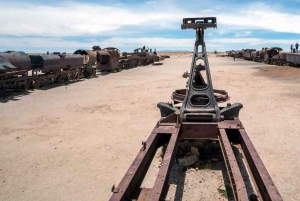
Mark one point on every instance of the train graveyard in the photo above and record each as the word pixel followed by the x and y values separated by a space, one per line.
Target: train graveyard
pixel 74 141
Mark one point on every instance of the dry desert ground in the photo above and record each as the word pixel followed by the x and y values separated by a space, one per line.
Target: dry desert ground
pixel 73 142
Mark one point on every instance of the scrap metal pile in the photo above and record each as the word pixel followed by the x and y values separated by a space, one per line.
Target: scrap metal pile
pixel 273 55
pixel 199 117
pixel 20 71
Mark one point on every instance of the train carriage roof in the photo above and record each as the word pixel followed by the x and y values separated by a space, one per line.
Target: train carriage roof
pixel 276 48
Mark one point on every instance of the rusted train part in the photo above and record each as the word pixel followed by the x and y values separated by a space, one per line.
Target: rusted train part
pixel 235 53
pixel 161 57
pixel 198 118
pixel 165 56
pixel 269 53
pixel 146 56
pixel 129 60
pixel 14 67
pixel 106 59
pixel 247 54
pixel 291 59
pixel 46 69
pixel 279 59
pixel 55 68
pixel 109 59
pixel 140 56
pixel 185 74
pixel 178 95
pixel 157 63
pixel 89 62
pixel 255 56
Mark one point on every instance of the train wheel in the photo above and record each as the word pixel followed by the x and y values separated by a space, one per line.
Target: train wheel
pixel 94 72
pixel 52 81
pixel 23 87
pixel 76 76
pixel 87 74
pixel 36 84
pixel 17 88
pixel 72 76
pixel 67 78
pixel 58 79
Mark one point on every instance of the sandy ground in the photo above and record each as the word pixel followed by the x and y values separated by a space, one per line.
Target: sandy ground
pixel 74 142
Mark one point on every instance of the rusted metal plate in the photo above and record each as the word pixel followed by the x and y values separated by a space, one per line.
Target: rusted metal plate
pixel 259 172
pixel 192 130
pixel 293 58
pixel 199 23
pixel 163 174
pixel 235 176
pixel 231 124
pixel 166 129
pixel 179 95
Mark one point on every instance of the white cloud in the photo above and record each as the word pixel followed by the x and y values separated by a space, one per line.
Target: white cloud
pixel 77 19
pixel 242 33
pixel 260 16
pixel 39 25
pixel 37 42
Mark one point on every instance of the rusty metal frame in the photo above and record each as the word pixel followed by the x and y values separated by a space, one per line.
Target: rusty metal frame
pixel 172 128
pixel 234 173
pixel 264 183
pixel 129 187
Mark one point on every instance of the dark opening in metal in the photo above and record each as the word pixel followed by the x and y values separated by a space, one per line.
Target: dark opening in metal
pixel 200 100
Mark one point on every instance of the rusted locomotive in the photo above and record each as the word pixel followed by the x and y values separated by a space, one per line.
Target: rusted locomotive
pixel 247 54
pixel 106 59
pixel 129 60
pixel 146 55
pixel 55 68
pixel 14 68
pixel 290 59
pixel 255 56
pixel 19 71
pixel 140 56
pixel 268 53
pixel 110 59
pixel 273 55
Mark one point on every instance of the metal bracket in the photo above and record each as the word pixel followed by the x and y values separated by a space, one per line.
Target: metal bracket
pixel 114 189
pixel 144 146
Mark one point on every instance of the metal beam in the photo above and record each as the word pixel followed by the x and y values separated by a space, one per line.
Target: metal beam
pixel 234 173
pixel 259 172
pixel 163 174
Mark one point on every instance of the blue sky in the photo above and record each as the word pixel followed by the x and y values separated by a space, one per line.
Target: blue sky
pixel 40 26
